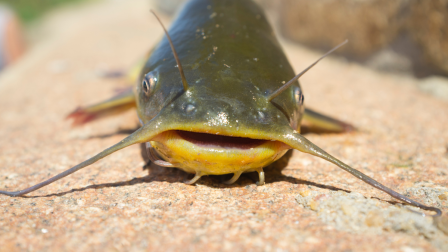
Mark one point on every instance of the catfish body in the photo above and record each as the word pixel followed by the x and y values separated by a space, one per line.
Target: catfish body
pixel 232 60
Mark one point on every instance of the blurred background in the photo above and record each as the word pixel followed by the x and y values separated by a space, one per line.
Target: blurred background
pixel 16 21
pixel 405 37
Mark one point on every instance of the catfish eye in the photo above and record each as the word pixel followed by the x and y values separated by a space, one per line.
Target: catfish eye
pixel 298 96
pixel 148 84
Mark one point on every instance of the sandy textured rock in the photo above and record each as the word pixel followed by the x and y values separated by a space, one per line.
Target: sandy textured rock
pixel 116 205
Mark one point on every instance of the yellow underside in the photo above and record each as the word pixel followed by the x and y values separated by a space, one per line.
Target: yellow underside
pixel 215 160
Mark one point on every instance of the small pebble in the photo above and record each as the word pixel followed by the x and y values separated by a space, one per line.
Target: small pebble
pixel 374 219
pixel 313 205
pixel 304 193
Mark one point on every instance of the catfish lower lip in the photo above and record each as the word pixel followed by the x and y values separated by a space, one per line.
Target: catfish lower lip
pixel 217 155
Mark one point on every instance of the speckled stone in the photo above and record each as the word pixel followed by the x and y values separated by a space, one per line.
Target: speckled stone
pixel 310 205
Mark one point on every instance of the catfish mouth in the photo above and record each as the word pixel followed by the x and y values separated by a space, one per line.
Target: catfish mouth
pixel 212 154
pixel 220 141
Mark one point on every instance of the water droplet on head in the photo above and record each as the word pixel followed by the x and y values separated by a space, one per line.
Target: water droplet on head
pixel 190 108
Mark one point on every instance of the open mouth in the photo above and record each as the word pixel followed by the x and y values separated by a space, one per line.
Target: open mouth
pixel 211 140
pixel 207 153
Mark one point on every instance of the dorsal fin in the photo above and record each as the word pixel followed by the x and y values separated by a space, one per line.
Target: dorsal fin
pixel 285 86
pixel 181 70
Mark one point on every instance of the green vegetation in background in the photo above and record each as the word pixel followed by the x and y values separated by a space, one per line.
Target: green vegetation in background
pixel 29 10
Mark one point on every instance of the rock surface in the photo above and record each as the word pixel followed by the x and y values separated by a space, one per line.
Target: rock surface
pixel 116 205
pixel 435 85
pixel 369 25
pixel 428 24
pixel 412 29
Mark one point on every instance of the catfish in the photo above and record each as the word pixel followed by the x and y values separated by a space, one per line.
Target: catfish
pixel 217 96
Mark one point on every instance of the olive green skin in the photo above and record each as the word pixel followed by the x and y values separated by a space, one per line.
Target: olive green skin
pixel 232 62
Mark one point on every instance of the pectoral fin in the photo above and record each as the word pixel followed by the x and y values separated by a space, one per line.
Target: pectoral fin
pixel 118 104
pixel 318 123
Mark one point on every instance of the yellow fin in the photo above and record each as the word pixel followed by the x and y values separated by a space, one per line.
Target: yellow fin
pixel 318 123
pixel 120 103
